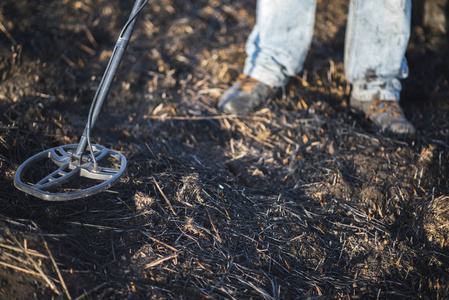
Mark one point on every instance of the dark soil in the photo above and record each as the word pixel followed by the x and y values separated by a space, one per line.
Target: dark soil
pixel 301 200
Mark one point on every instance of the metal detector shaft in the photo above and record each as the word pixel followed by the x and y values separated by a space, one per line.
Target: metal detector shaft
pixel 108 77
pixel 84 169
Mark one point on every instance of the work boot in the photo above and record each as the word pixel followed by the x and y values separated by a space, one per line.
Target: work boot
pixel 386 114
pixel 245 96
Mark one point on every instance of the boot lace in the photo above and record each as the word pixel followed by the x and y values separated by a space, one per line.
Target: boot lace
pixel 248 84
pixel 391 107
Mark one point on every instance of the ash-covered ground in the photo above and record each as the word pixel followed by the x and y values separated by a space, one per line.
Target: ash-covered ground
pixel 302 200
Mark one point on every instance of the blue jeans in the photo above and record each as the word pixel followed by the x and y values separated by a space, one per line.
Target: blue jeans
pixel 377 35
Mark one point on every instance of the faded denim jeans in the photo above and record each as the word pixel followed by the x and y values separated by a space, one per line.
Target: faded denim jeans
pixel 377 34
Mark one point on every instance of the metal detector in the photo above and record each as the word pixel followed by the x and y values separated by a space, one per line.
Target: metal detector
pixel 84 169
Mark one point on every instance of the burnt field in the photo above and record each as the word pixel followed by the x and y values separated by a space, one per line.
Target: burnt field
pixel 302 200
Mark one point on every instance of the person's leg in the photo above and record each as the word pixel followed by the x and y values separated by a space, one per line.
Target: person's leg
pixel 276 49
pixel 377 35
pixel 278 45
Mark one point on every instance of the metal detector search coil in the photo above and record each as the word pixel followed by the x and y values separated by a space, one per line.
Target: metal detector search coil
pixel 83 169
pixel 110 167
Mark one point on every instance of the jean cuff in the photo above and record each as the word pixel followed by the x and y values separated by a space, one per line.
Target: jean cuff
pixel 379 89
pixel 269 77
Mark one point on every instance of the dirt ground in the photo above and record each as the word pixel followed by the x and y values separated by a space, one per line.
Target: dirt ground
pixel 302 200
